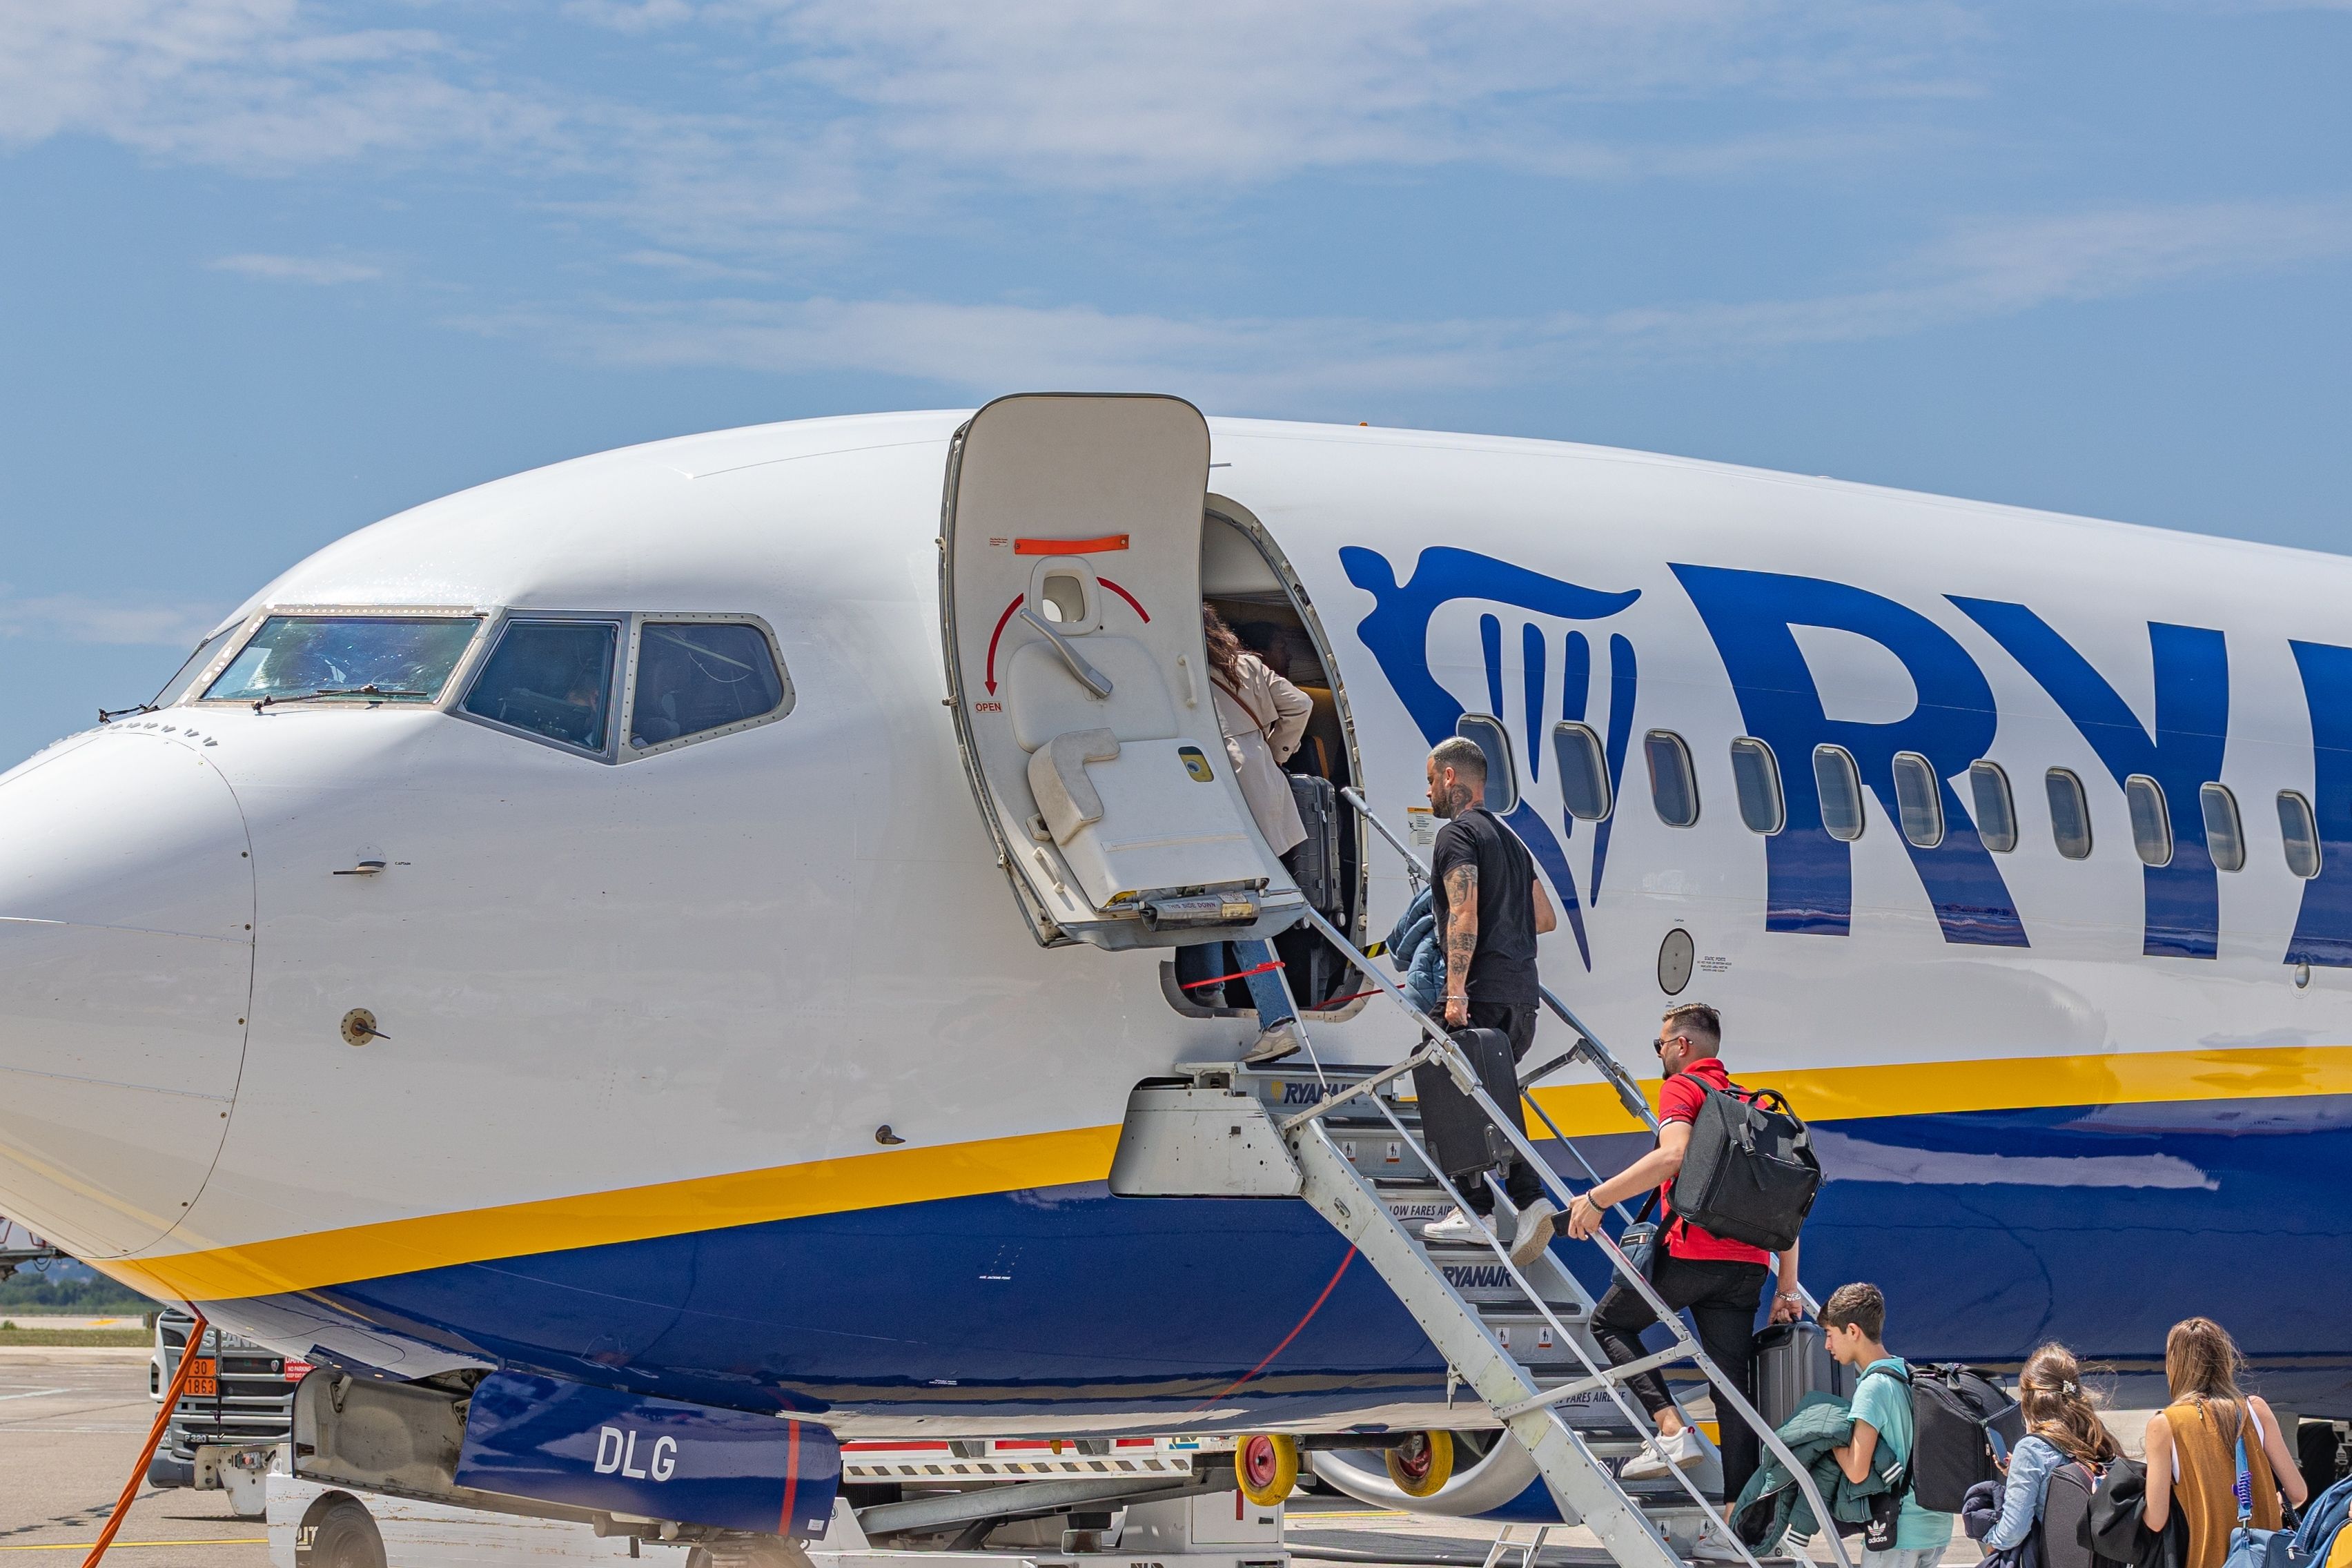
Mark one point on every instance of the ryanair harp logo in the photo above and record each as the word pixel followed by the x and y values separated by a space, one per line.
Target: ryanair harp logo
pixel 1195 764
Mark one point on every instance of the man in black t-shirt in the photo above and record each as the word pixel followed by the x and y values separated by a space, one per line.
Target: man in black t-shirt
pixel 1490 909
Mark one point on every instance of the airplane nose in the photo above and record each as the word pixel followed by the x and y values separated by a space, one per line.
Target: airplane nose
pixel 126 963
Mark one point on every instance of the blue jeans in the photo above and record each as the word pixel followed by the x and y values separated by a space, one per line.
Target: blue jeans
pixel 1273 997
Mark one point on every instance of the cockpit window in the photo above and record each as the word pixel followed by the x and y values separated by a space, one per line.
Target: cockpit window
pixel 198 662
pixel 549 679
pixel 697 676
pixel 350 658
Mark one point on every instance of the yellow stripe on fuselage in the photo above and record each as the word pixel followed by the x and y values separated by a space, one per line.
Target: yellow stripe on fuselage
pixel 2002 1083
pixel 1059 1159
pixel 632 1214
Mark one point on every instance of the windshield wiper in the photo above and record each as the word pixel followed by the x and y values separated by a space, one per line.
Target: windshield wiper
pixel 369 690
pixel 108 715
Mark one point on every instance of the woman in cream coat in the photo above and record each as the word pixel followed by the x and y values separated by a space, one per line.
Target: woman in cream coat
pixel 1263 716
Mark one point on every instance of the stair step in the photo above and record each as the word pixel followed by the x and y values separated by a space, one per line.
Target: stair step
pixel 1536 1345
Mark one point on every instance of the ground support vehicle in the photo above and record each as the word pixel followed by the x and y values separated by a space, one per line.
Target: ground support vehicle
pixel 234 1421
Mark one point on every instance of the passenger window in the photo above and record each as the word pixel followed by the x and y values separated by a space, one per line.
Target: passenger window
pixel 694 675
pixel 1583 770
pixel 1918 799
pixel 2070 815
pixel 1673 783
pixel 1996 809
pixel 2151 824
pixel 1840 784
pixel 1501 777
pixel 1755 779
pixel 2225 841
pixel 2299 834
pixel 549 679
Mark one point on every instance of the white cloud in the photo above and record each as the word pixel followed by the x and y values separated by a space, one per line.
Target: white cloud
pixel 804 113
pixel 247 84
pixel 74 617
pixel 1243 365
pixel 1091 91
pixel 295 269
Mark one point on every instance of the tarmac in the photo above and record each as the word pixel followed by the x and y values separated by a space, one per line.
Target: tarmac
pixel 72 1420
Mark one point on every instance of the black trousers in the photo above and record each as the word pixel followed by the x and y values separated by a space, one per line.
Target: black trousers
pixel 1519 1179
pixel 1723 1298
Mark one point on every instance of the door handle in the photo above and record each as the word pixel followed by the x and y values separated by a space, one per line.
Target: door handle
pixel 364 868
pixel 1093 680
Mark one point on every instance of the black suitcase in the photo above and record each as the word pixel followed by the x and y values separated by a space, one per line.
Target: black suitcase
pixel 1460 1137
pixel 1315 862
pixel 1750 1174
pixel 1793 1359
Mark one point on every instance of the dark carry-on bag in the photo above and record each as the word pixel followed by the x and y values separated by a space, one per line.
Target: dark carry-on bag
pixel 1458 1133
pixel 1793 1359
pixel 1963 1426
pixel 1750 1173
pixel 1314 861
pixel 2065 1524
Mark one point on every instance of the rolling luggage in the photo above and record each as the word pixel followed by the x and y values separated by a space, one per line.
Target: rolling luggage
pixel 1314 863
pixel 1750 1174
pixel 1793 1360
pixel 1460 1137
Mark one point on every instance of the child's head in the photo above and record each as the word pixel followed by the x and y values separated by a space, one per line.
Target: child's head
pixel 2201 1359
pixel 2059 1410
pixel 1853 1323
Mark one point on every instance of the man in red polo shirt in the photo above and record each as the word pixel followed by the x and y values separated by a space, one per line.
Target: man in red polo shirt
pixel 1720 1281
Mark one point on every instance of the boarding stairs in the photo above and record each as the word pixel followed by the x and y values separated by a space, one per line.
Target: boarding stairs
pixel 1518 1338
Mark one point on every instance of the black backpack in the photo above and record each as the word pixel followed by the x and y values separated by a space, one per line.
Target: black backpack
pixel 1961 1422
pixel 1750 1173
pixel 2067 1519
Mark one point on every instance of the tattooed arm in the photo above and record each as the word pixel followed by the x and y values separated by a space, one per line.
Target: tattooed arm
pixel 1461 941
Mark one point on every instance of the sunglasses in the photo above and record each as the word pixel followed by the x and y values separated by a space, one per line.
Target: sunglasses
pixel 1663 1041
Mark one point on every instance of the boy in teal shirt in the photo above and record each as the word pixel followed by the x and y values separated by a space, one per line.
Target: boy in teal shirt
pixel 1853 1320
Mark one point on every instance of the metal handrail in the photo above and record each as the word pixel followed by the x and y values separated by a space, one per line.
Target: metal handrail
pixel 1588 1046
pixel 1602 1378
pixel 1441 1047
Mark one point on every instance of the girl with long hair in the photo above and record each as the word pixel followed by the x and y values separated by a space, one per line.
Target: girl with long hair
pixel 2061 1424
pixel 1263 716
pixel 2192 1445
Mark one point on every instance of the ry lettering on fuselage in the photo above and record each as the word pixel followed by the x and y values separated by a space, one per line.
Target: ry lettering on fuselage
pixel 1753 619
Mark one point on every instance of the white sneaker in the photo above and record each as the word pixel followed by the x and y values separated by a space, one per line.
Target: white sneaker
pixel 1275 1044
pixel 1456 1226
pixel 1686 1448
pixel 1713 1548
pixel 1536 1226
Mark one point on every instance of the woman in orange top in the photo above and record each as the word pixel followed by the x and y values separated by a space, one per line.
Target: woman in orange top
pixel 2192 1445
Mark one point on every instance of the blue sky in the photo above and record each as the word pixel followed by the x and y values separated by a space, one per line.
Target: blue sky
pixel 269 270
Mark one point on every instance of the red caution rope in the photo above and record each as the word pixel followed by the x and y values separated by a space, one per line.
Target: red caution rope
pixel 1236 974
pixel 154 1436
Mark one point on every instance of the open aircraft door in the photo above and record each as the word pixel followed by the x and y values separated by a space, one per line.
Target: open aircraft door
pixel 1070 597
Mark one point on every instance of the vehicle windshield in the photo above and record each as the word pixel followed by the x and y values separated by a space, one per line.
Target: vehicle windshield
pixel 360 658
